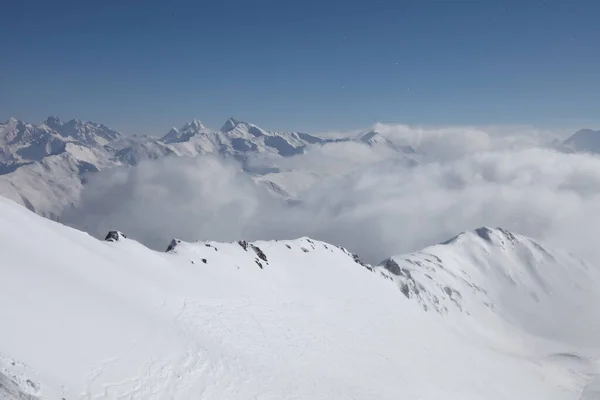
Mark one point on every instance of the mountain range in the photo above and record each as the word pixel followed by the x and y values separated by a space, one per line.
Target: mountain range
pixel 487 314
pixel 44 167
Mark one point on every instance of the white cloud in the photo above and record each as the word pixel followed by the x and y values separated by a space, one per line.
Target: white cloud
pixel 201 198
pixel 444 143
pixel 370 203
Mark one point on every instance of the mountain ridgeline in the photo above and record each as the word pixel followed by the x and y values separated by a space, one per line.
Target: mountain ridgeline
pixel 45 166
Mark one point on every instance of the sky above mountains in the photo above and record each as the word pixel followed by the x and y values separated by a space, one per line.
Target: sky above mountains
pixel 309 65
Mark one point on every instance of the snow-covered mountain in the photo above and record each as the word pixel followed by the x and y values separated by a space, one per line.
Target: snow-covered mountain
pixel 44 167
pixel 584 140
pixel 23 143
pixel 493 273
pixel 373 138
pixel 301 319
pixel 188 131
pixel 236 139
pixel 89 132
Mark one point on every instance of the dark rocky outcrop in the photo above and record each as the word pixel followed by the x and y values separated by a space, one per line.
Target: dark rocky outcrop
pixel 115 236
pixel 259 253
pixel 173 244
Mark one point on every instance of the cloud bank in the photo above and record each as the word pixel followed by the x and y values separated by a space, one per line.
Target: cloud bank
pixel 374 204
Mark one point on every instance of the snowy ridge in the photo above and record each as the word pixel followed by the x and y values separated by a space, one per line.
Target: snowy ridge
pixel 493 273
pixel 186 133
pixel 254 254
pixel 206 320
pixel 22 143
pixel 90 133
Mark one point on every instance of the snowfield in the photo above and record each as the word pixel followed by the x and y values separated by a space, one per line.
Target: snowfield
pixel 298 319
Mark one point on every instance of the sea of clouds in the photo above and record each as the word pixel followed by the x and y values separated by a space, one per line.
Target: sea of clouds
pixel 373 201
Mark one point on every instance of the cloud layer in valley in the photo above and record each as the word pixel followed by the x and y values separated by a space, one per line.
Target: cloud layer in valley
pixel 373 203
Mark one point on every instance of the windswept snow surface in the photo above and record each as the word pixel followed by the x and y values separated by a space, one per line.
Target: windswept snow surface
pixel 299 319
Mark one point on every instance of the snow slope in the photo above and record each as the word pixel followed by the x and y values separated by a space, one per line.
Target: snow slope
pixel 298 319
pixel 493 273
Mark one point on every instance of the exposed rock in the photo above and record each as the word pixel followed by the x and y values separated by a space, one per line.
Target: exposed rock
pixel 173 244
pixel 115 236
pixel 260 253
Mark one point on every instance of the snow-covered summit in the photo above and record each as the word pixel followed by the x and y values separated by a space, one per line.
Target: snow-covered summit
pixel 373 138
pixel 495 273
pixel 235 126
pixel 376 139
pixel 185 133
pixel 23 143
pixel 231 124
pixel 90 133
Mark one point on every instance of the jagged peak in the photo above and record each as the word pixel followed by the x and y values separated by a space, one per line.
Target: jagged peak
pixel 55 122
pixel 234 123
pixel 76 121
pixel 186 132
pixel 230 124
pixel 368 135
pixel 52 120
pixel 195 125
pixel 373 137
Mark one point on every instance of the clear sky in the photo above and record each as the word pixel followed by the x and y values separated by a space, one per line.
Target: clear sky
pixel 301 64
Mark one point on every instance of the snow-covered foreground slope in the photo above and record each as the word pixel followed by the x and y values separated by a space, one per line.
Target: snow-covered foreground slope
pixel 298 319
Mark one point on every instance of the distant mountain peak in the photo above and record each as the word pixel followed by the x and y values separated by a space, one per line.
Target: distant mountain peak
pixel 373 138
pixel 586 131
pixel 194 124
pixel 368 135
pixel 186 132
pixel 52 121
pixel 231 124
pixel 90 133
pixel 585 140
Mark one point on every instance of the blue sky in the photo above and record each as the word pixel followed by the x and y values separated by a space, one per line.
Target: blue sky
pixel 309 65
